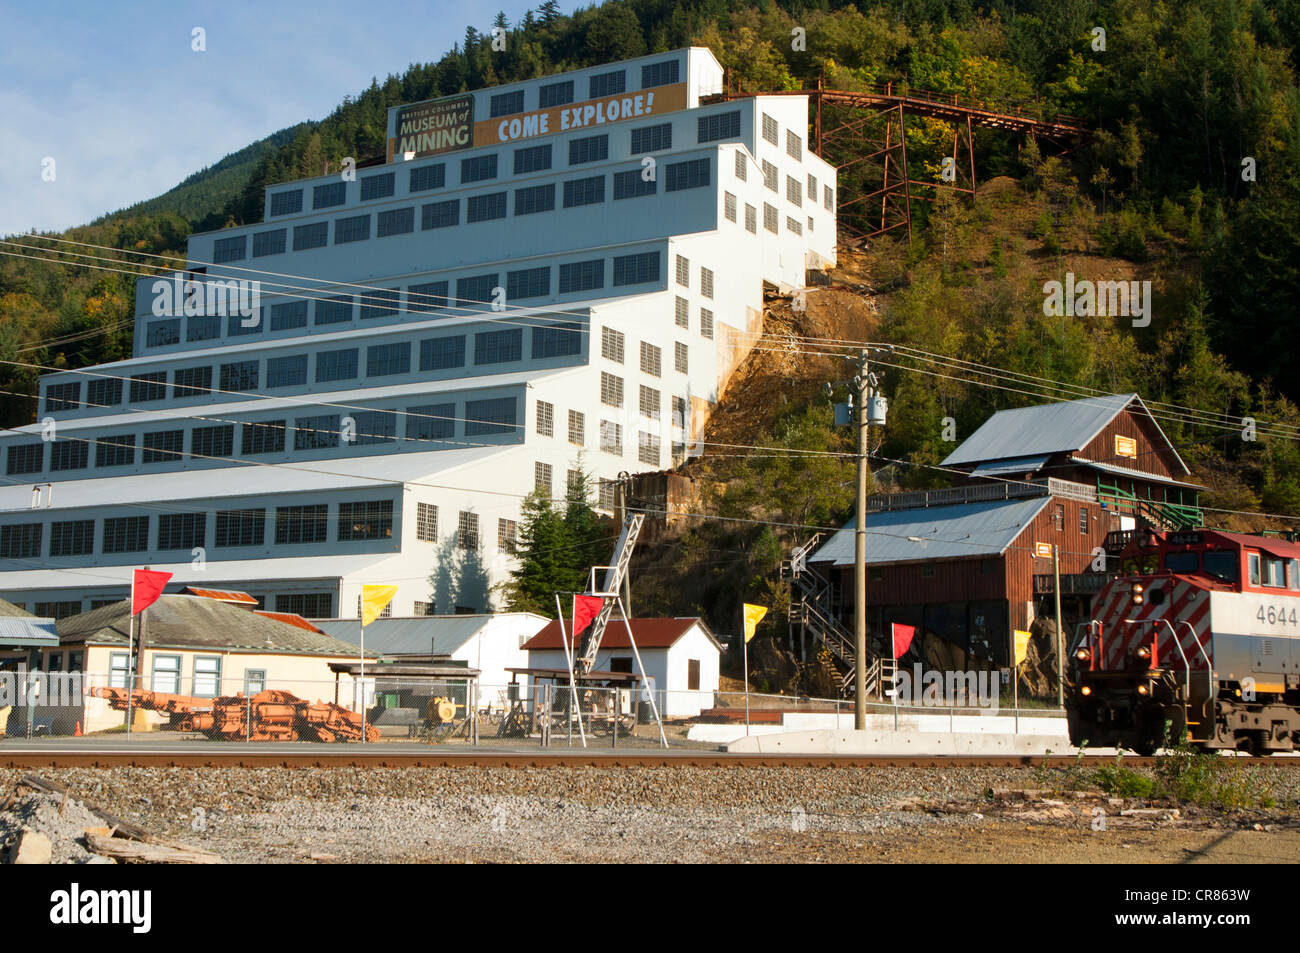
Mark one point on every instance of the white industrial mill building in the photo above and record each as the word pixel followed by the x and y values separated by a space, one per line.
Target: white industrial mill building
pixel 543 277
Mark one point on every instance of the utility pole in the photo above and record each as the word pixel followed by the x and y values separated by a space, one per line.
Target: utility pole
pixel 860 555
pixel 1060 640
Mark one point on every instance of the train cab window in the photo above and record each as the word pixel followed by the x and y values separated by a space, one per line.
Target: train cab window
pixel 1254 568
pixel 1293 574
pixel 1181 562
pixel 1221 565
pixel 1274 572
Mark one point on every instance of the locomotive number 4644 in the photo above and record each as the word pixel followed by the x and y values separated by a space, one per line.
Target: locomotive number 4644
pixel 1276 616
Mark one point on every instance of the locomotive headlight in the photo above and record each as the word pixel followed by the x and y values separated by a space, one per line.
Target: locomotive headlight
pixel 1085 690
pixel 1083 655
pixel 1143 652
pixel 1138 588
pixel 1144 689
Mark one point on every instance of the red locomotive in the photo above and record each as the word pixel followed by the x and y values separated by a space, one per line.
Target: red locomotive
pixel 1200 632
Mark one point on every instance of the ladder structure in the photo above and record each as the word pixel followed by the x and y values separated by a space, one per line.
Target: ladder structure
pixel 585 655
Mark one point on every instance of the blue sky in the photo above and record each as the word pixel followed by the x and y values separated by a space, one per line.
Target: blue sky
pixel 113 92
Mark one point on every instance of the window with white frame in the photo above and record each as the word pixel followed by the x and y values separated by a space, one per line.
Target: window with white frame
pixel 545 419
pixel 426 522
pixel 207 676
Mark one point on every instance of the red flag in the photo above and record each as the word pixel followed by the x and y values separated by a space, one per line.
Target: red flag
pixel 585 608
pixel 148 586
pixel 902 635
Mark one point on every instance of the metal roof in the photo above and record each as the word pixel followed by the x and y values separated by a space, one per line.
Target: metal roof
pixel 19 630
pixel 1046 429
pixel 649 634
pixel 934 533
pixel 420 635
pixel 1014 465
pixel 9 610
pixel 1135 474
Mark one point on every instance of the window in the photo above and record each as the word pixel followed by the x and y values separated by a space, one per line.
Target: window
pixel 240 376
pixel 478 168
pixel 649 402
pixel 1293 574
pixel 682 309
pixel 706 282
pixel 166 674
pixel 651 359
pixel 467 531
pixel 588 149
pixel 652 138
pixel 72 538
pixel 793 190
pixel 729 206
pixel 575 485
pixel 21 540
pixel 255 678
pixel 103 393
pixel 440 214
pixel 1274 572
pixel 507 104
pixel 1058 517
pixel 426 298
pixel 495 415
pixel 328 196
pixel 315 235
pixel 266 436
pixel 425 608
pixel 706 323
pixel 69 455
pixel 309 605
pixel 770 220
pixel 498 347
pixel 770 132
pixel 147 387
pixel 793 225
pixel 237 325
pixel 337 310
pixel 679 412
pixel 426 522
pixel 216 441
pixel 692 174
pixel 631 184
pixel 126 534
pixel 577 428
pixel 742 167
pixel 611 390
pixel 606 84
pixel 528 283
pixel 340 365
pixel 718 126
pixel 118 671
pixel 793 145
pixel 377 186
pixel 483 208
pixel 301 524
pixel 383 360
pixel 828 198
pixel 286 203
pixel 375 426
pixel 316 433
pixel 582 276
pixel 428 177
pixel 683 272
pixel 605 494
pixel 611 345
pixel 115 451
pixel 589 191
pixel 202 327
pixel 554 94
pixel 636 269
pixel 532 159
pixel 1083 520
pixel 507 535
pixel 1253 559
pixel 543 478
pixel 659 74
pixel 751 219
pixel 536 198
pixel 163 333
pixel 398 221
pixel 812 189
pixel 556 340
pixel 207 676
pixel 771 176
pixel 269 243
pixel 680 354
pixel 693 675
pixel 25 458
pixel 163 446
pixel 288 371
pixel 431 421
pixel 927 571
pixel 354 228
pixel 240 527
pixel 437 354
pixel 63 396
pixel 611 437
pixel 287 316
pixel 229 249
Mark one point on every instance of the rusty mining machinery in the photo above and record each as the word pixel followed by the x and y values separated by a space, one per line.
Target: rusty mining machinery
pixel 267 716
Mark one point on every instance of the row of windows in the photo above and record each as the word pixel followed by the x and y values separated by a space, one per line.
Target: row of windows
pixel 367 520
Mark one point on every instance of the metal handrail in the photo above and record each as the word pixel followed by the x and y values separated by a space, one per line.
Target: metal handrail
pixel 1209 666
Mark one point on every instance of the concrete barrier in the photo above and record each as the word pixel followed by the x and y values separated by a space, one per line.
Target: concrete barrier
pixel 898 743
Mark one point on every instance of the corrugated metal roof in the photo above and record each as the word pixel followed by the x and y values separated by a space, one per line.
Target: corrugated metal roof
pixel 289 618
pixel 177 621
pixel 1014 465
pixel 933 533
pixel 11 611
pixel 420 635
pixel 1130 472
pixel 649 634
pixel 1047 428
pixel 29 630
pixel 221 595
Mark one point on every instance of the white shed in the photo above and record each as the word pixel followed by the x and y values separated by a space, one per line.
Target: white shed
pixel 680 655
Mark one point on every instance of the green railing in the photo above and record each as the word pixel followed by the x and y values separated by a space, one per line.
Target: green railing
pixel 1174 514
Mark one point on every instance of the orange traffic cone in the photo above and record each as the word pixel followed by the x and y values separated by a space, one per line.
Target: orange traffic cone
pixel 77 732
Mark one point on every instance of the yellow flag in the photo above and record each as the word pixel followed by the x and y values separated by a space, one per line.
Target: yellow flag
pixel 373 600
pixel 1022 645
pixel 753 615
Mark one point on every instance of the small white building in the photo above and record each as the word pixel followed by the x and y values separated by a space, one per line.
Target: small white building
pixel 680 656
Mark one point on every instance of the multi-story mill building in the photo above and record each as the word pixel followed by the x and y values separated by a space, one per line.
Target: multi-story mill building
pixel 539 280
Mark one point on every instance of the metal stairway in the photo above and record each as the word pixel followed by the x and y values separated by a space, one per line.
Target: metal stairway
pixel 585 656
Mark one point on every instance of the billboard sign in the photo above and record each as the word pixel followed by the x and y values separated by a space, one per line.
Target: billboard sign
pixel 433 127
